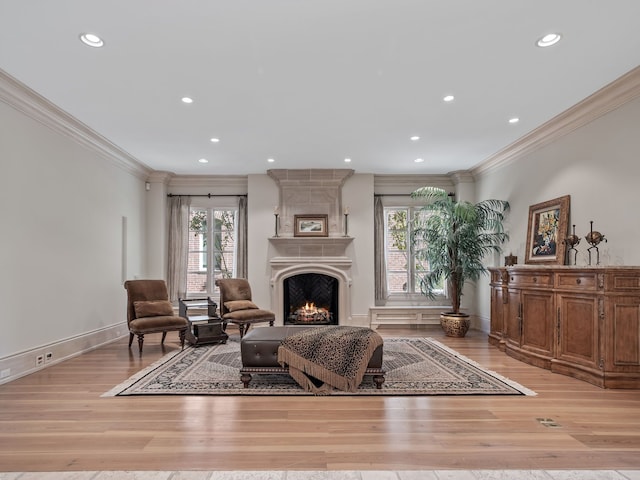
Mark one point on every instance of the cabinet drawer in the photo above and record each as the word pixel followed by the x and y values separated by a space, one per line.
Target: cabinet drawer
pixel 577 281
pixel 624 282
pixel 531 279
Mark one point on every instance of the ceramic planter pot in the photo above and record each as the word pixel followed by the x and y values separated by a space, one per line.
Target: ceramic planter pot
pixel 455 324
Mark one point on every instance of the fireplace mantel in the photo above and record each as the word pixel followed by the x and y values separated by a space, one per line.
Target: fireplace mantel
pixel 286 262
pixel 288 241
pixel 310 246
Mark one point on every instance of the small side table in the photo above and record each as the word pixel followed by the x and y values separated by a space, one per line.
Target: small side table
pixel 203 329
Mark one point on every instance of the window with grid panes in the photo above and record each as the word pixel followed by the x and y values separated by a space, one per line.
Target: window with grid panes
pixel 212 249
pixel 403 268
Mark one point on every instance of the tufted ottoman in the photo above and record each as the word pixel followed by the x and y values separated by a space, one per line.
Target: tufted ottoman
pixel 259 354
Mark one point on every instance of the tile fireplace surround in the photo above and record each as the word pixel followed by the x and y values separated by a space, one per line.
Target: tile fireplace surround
pixel 304 192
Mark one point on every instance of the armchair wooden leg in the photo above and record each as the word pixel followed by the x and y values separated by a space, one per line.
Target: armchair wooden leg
pixel 164 335
pixel 182 334
pixel 140 342
pixel 130 339
pixel 242 329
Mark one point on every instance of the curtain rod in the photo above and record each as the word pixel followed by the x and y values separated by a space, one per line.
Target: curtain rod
pixel 203 195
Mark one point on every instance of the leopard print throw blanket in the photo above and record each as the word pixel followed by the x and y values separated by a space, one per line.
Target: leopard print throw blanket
pixel 323 358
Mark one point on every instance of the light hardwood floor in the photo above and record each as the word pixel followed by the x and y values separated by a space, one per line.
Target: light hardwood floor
pixel 55 420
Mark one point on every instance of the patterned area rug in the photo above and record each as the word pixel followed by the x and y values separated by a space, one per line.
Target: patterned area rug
pixel 414 366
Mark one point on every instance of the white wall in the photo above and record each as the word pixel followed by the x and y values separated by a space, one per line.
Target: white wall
pixel 62 207
pixel 598 166
pixel 357 194
pixel 261 201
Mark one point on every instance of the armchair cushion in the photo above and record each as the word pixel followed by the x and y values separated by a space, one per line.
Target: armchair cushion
pixel 249 315
pixel 153 308
pixel 157 324
pixel 235 305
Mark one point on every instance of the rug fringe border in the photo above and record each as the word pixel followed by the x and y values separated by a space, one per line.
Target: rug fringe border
pixel 525 391
pixel 141 374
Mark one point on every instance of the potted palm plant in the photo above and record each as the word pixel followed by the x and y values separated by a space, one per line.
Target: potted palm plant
pixel 453 237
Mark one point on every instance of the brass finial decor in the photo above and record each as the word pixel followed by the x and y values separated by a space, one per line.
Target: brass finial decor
pixel 594 238
pixel 572 240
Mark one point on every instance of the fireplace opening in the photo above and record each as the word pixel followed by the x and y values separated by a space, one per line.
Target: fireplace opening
pixel 310 299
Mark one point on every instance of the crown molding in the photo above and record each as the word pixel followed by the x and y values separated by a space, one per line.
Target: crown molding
pixel 38 108
pixel 331 177
pixel 610 97
pixel 160 176
pixel 461 176
pixel 234 183
pixel 404 183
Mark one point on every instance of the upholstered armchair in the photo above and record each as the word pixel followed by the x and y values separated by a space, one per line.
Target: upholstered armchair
pixel 237 307
pixel 150 311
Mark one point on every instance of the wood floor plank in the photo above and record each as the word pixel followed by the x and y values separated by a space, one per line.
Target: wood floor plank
pixel 56 419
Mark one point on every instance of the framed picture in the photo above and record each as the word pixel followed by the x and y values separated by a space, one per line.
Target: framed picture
pixel 548 227
pixel 310 226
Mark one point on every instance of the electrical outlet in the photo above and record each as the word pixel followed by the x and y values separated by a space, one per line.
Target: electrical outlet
pixel 39 360
pixel 48 357
pixel 5 373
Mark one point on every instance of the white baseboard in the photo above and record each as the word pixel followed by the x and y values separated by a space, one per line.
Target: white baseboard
pixel 481 323
pixel 405 315
pixel 359 321
pixel 24 363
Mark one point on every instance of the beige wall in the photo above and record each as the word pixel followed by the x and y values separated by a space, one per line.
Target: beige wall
pixel 598 166
pixel 61 249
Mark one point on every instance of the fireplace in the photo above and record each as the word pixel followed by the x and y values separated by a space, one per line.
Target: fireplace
pixel 321 266
pixel 311 299
pixel 337 268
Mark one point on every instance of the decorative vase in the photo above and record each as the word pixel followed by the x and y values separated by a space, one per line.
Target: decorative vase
pixel 455 324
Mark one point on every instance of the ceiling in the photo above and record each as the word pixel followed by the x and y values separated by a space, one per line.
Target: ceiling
pixel 309 83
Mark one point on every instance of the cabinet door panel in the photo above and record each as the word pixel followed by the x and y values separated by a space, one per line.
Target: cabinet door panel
pixel 624 334
pixel 578 332
pixel 497 312
pixel 512 322
pixel 537 322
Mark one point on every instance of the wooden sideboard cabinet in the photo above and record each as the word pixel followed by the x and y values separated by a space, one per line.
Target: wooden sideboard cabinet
pixel 577 321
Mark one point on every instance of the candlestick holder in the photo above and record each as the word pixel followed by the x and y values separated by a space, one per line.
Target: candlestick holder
pixel 346 225
pixel 276 216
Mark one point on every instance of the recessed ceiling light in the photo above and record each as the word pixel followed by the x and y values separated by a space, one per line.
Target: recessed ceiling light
pixel 215 140
pixel 270 160
pixel 91 40
pixel 514 120
pixel 415 138
pixel 347 160
pixel 419 160
pixel 187 100
pixel 549 39
pixel 203 160
pixel 448 98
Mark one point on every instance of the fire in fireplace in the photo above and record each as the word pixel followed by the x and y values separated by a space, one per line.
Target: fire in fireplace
pixel 311 298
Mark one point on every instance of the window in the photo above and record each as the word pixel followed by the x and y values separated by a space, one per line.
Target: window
pixel 403 268
pixel 212 235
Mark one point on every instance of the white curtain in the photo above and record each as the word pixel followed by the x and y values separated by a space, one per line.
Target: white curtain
pixel 178 246
pixel 241 248
pixel 380 264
